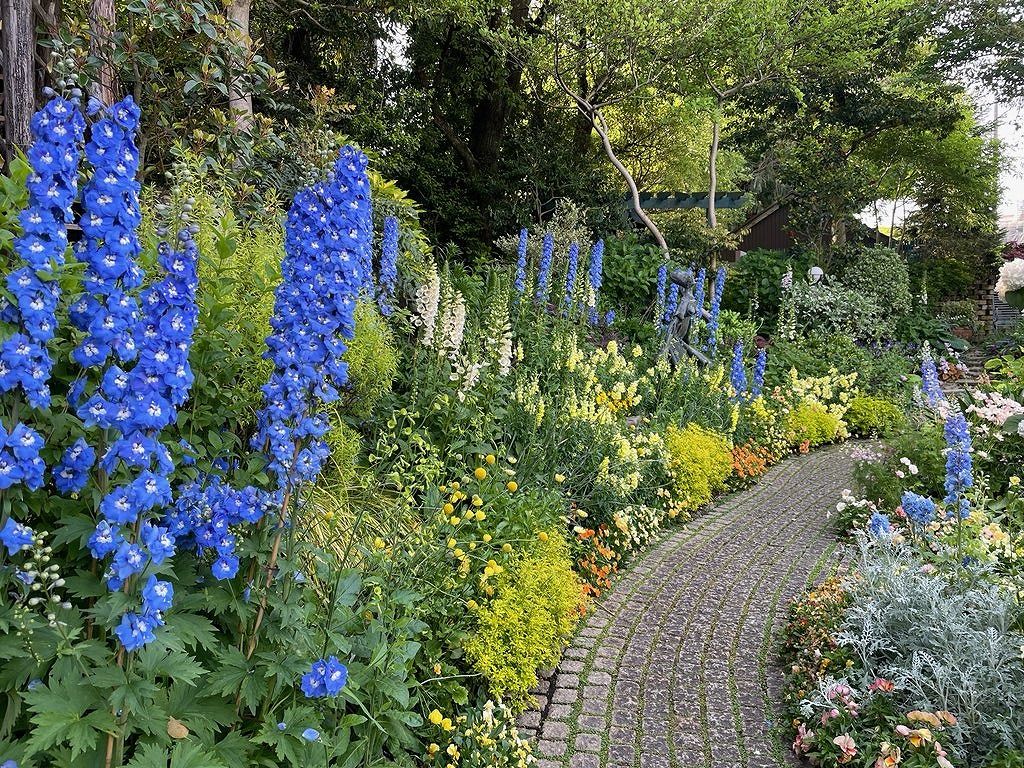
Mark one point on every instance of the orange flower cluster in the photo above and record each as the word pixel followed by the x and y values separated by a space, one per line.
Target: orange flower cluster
pixel 600 562
pixel 749 461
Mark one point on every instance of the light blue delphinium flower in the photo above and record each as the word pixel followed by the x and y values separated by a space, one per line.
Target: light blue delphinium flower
pixel 596 277
pixel 759 368
pixel 520 282
pixel 547 252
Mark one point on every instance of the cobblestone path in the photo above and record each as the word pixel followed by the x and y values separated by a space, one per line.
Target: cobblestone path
pixel 673 667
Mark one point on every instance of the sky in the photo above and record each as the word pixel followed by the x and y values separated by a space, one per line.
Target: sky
pixel 1011 132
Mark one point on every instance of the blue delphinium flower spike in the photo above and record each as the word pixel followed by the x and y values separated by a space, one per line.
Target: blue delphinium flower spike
pixel 738 374
pixel 544 268
pixel 520 282
pixel 759 369
pixel 572 265
pixel 596 276
pixel 388 266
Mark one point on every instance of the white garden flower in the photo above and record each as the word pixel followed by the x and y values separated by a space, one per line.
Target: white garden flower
pixel 428 298
pixel 1011 277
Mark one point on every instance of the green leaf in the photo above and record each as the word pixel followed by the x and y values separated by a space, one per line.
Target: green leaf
pixel 185 754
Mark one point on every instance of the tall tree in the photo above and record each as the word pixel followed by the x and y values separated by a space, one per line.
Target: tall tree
pixel 18 48
pixel 618 54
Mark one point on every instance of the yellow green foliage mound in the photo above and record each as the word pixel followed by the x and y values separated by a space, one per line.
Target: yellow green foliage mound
pixel 870 416
pixel 810 424
pixel 372 361
pixel 537 604
pixel 700 461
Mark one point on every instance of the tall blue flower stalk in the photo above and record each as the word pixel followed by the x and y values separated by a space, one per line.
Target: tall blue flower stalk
pixel 738 374
pixel 388 266
pixel 596 276
pixel 328 227
pixel 520 281
pixel 671 303
pixel 959 469
pixel 716 306
pixel 107 312
pixel 660 297
pixel 136 406
pixel 25 361
pixel 52 186
pixel 930 386
pixel 572 266
pixel 547 251
pixel 759 368
pixel 699 291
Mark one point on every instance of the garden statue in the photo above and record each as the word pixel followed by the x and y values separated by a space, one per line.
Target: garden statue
pixel 680 326
pixel 815 275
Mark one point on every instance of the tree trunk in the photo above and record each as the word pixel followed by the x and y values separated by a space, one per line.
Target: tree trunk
pixel 16 18
pixel 598 122
pixel 716 131
pixel 102 26
pixel 239 95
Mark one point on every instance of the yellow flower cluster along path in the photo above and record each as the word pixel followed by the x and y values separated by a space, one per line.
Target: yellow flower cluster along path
pixel 673 668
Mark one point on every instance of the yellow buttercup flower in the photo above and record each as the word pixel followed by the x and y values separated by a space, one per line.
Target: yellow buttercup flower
pixel 512 486
pixel 489 458
pixel 479 473
pixel 506 547
pixel 486 537
pixel 448 508
pixel 435 717
pixel 543 536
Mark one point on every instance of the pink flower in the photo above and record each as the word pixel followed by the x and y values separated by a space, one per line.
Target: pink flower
pixel 804 739
pixel 902 730
pixel 847 747
pixel 826 716
pixel 882 685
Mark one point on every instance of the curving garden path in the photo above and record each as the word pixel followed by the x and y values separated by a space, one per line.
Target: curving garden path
pixel 672 669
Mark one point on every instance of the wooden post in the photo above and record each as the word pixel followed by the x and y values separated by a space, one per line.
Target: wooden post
pixel 102 26
pixel 17 32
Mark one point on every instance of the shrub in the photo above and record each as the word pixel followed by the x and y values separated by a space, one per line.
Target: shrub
pixel 879 370
pixel 873 416
pixel 912 461
pixel 700 461
pixel 537 605
pixel 755 282
pixel 837 309
pixel 947 645
pixel 810 424
pixel 372 361
pixel 881 275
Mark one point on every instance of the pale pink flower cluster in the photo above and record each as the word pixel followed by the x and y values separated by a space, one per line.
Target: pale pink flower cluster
pixel 994 407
